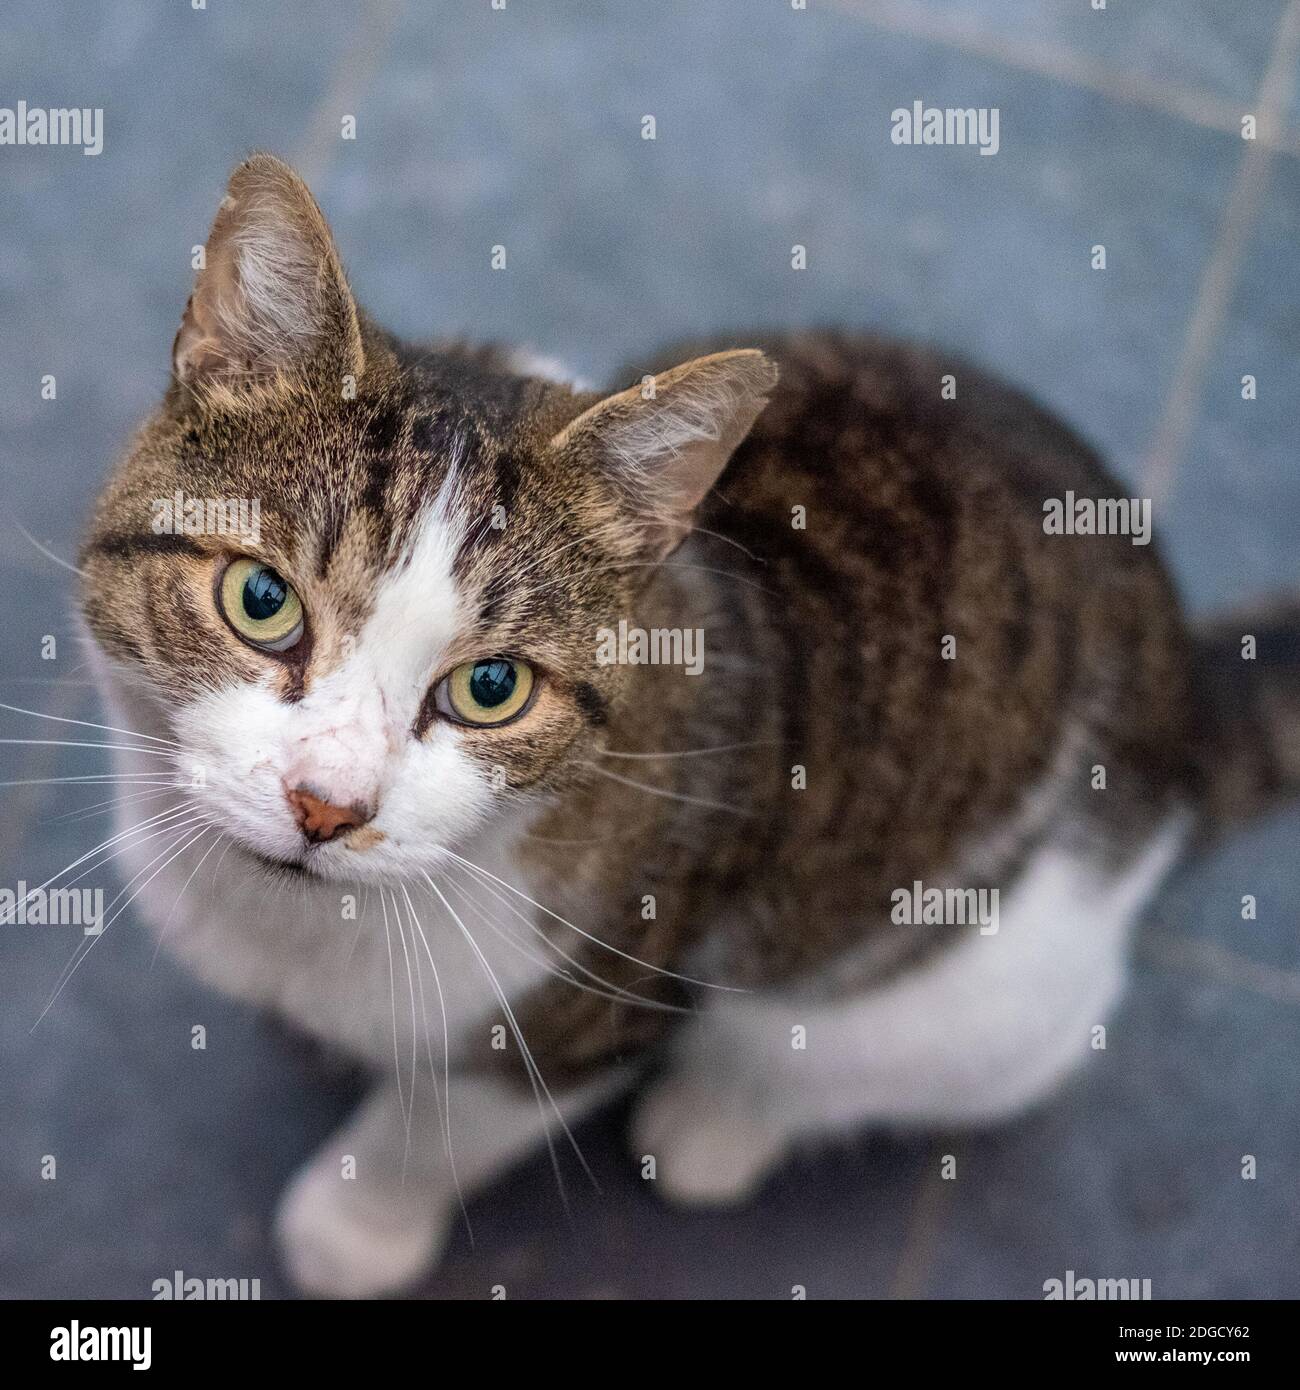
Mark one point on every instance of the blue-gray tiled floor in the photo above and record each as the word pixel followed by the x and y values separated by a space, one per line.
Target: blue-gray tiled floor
pixel 522 127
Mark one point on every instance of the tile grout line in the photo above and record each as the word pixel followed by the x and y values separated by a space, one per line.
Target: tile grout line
pixel 930 1205
pixel 1219 278
pixel 1060 65
pixel 355 71
pixel 1207 958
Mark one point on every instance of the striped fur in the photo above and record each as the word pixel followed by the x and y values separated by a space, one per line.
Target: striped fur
pixel 905 678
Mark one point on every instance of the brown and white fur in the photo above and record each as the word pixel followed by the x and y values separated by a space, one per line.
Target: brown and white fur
pixel 650 870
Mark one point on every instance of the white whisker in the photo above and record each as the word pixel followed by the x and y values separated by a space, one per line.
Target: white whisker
pixel 410 985
pixel 98 808
pixel 184 889
pixel 88 724
pixel 601 987
pixel 670 796
pixel 182 809
pixel 538 1083
pixel 443 1110
pixel 692 752
pixel 77 959
pixel 66 743
pixel 143 778
pixel 595 940
pixel 48 553
pixel 392 994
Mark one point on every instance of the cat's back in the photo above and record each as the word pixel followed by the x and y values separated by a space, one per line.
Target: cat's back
pixel 943 660
pixel 853 411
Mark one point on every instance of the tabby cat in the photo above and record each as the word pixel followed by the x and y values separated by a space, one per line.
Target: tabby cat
pixel 481 823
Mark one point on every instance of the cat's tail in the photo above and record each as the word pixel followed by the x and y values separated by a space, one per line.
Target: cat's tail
pixel 1247 665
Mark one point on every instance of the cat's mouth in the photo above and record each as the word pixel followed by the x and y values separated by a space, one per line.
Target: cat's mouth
pixel 301 864
pixel 295 867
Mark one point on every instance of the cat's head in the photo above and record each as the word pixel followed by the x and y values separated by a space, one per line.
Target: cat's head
pixel 363 584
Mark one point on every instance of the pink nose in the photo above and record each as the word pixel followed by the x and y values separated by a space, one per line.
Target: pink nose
pixel 319 820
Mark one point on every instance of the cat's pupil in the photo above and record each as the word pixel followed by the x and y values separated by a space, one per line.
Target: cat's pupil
pixel 264 595
pixel 492 682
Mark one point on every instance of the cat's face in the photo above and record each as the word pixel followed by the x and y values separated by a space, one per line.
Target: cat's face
pixel 364 586
pixel 380 645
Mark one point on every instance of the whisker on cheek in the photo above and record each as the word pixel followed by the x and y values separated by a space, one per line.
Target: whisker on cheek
pixel 536 1080
pixel 87 724
pixel 444 1100
pixel 80 955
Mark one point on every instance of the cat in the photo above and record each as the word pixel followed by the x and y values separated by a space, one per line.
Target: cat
pixel 450 834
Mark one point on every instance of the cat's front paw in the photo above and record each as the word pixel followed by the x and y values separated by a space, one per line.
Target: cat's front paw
pixel 339 1238
pixel 709 1149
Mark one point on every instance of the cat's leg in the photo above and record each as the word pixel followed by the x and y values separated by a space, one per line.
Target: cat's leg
pixel 710 1124
pixel 980 1032
pixel 377 1230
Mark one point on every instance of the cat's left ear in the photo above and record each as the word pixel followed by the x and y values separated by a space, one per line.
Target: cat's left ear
pixel 666 441
pixel 271 296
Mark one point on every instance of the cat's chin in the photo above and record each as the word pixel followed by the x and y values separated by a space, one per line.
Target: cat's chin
pixel 287 865
pixel 293 867
pixel 307 866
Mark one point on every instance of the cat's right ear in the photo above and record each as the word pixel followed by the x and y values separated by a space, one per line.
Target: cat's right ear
pixel 666 442
pixel 271 297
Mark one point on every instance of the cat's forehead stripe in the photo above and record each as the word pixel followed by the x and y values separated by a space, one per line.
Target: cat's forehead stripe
pixel 417 610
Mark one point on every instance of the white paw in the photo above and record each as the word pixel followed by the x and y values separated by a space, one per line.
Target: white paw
pixel 340 1239
pixel 709 1148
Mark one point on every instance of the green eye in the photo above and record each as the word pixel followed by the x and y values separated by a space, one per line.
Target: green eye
pixel 489 691
pixel 261 607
